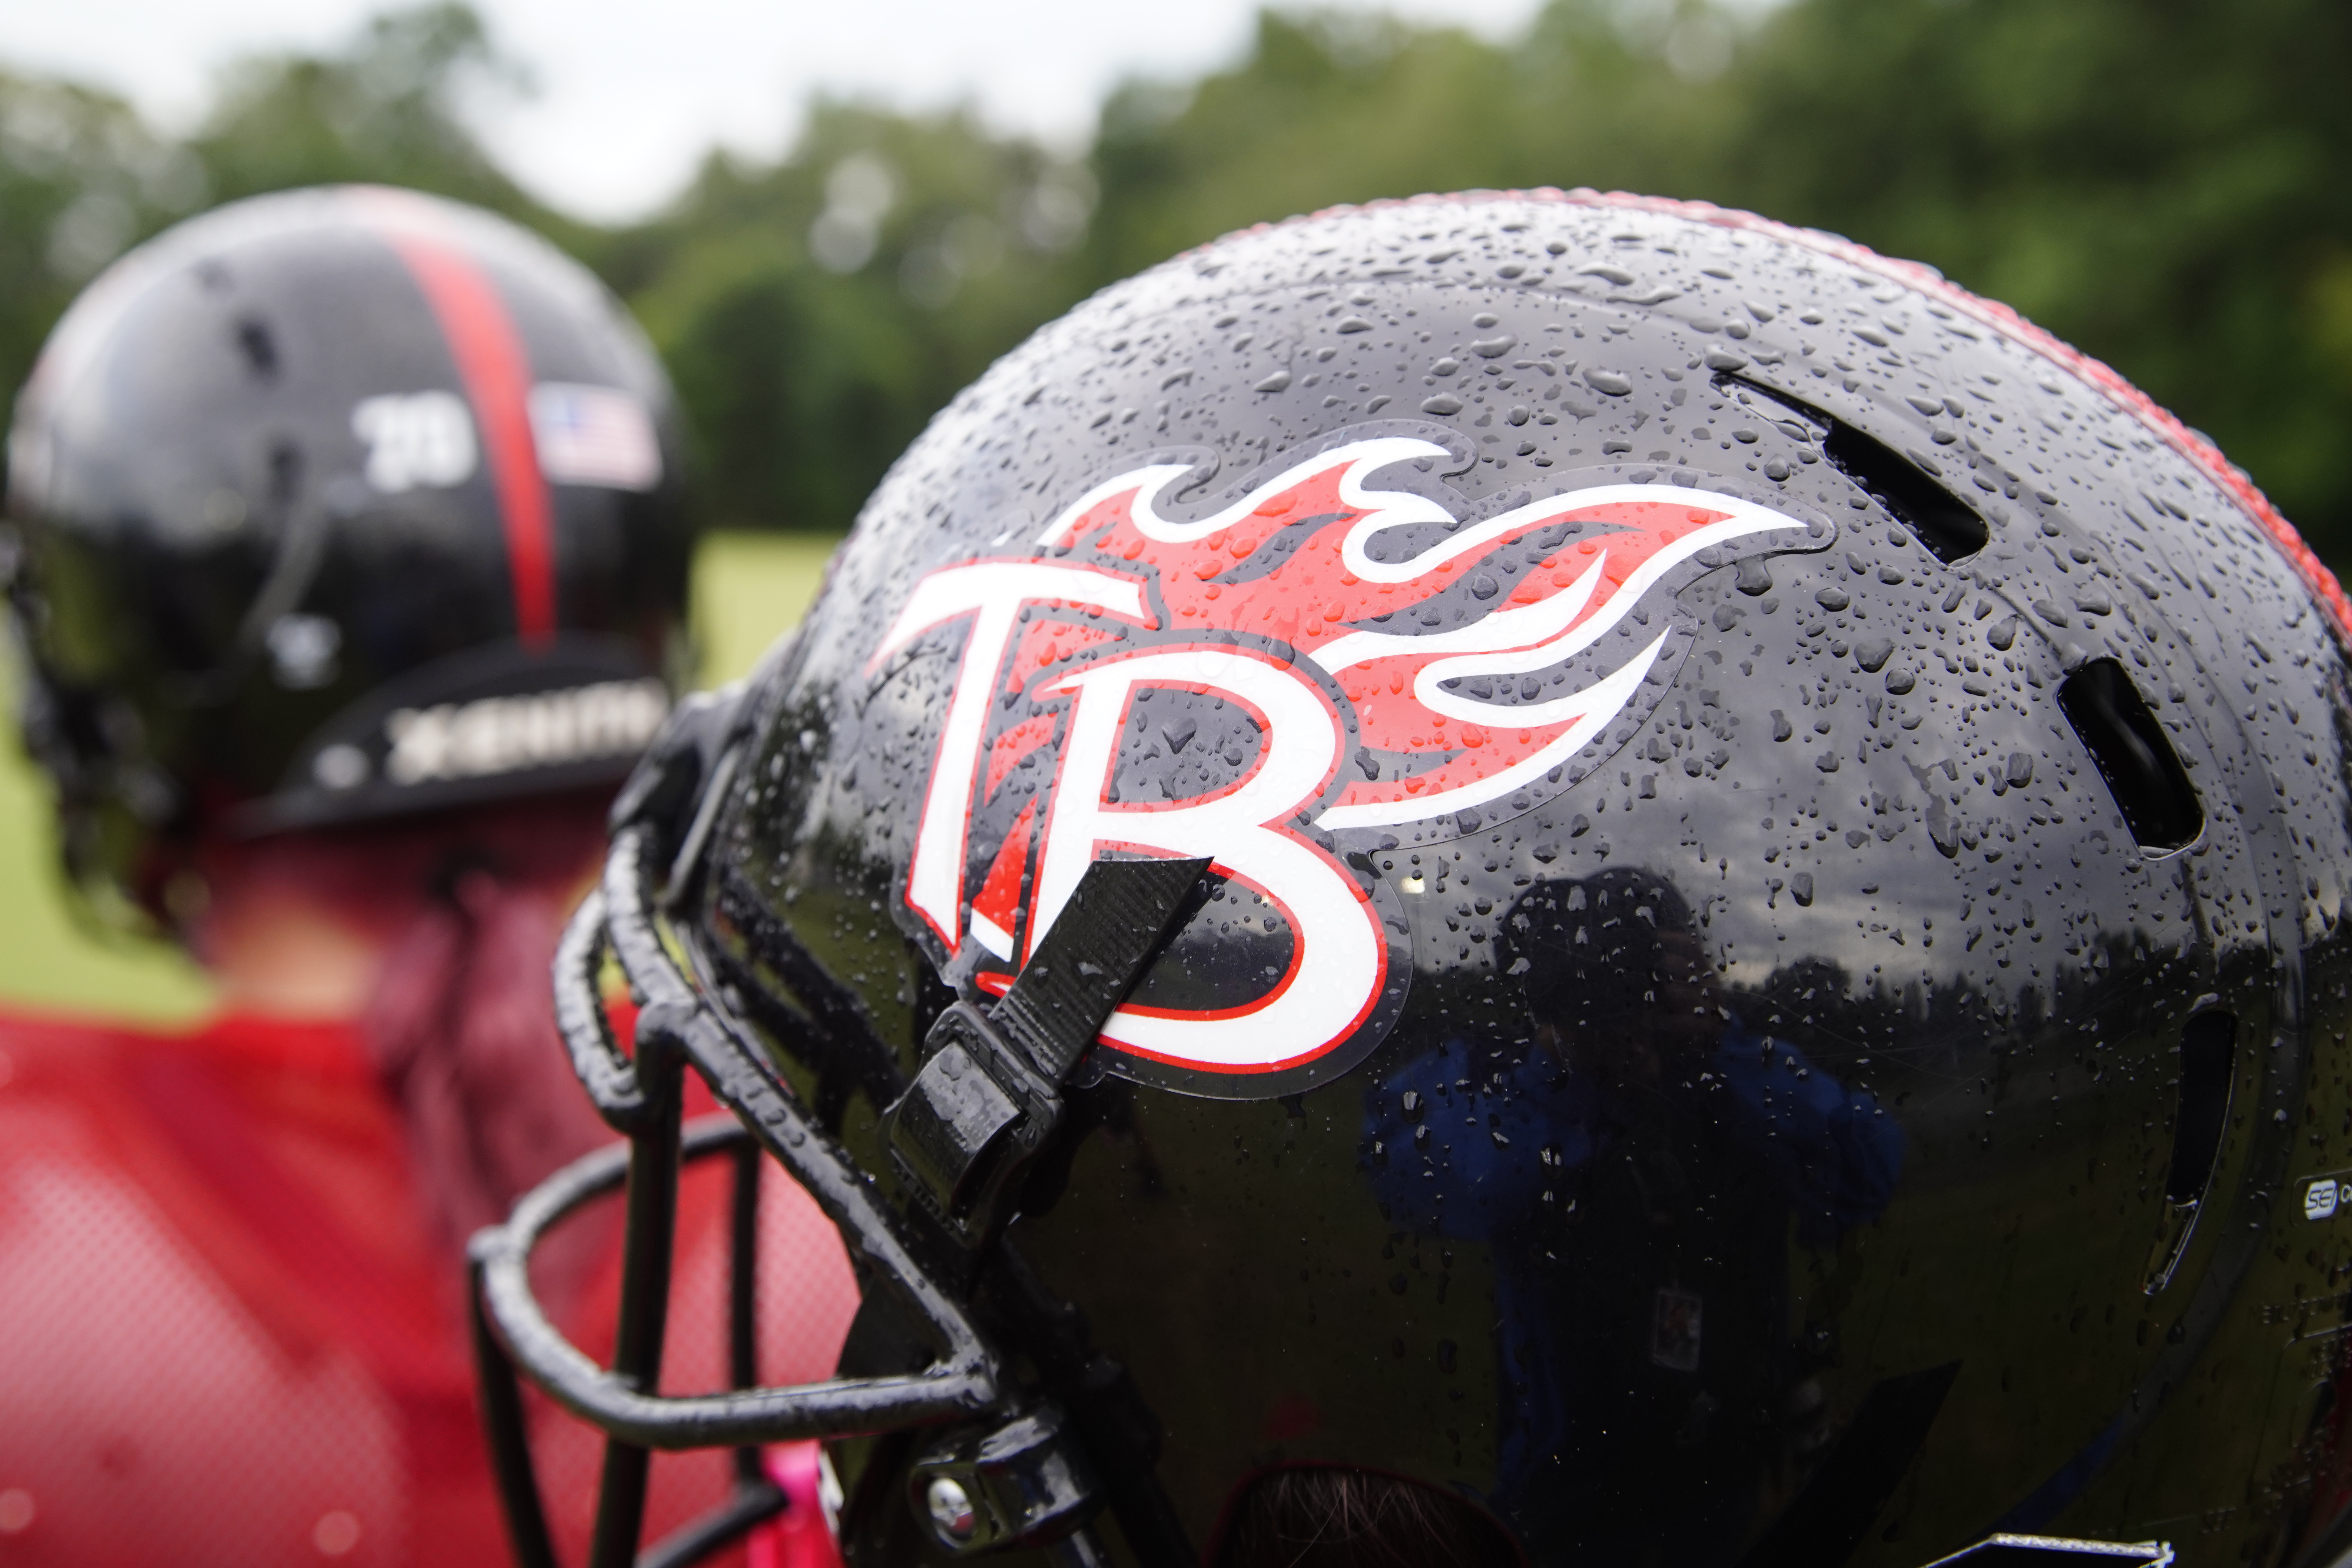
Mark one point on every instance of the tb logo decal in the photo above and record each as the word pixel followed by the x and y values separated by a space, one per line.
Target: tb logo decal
pixel 1322 667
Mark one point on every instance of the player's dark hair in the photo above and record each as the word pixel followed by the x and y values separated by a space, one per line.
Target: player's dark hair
pixel 1317 1516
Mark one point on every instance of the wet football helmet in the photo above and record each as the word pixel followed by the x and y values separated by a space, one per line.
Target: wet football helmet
pixel 1592 879
pixel 334 505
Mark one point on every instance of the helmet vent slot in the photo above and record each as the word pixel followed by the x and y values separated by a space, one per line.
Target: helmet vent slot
pixel 1947 525
pixel 259 347
pixel 2133 755
pixel 2209 1044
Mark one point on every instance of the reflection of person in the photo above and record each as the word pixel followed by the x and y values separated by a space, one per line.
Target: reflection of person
pixel 1634 1174
pixel 301 488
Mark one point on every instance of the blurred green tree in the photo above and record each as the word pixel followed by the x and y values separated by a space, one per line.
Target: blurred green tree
pixel 390 107
pixel 2156 180
pixel 2160 182
pixel 816 312
pixel 80 178
pixel 1330 108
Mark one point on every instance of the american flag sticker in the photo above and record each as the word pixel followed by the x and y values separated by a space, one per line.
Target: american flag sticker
pixel 594 435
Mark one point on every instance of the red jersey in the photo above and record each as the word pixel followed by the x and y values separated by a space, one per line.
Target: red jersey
pixel 229 1338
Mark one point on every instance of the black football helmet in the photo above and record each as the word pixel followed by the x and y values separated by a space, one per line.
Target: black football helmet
pixel 333 505
pixel 1612 883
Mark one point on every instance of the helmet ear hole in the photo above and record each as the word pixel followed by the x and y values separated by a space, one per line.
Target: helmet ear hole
pixel 2208 1047
pixel 1328 1516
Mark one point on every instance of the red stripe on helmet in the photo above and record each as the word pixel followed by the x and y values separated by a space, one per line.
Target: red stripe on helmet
pixel 496 372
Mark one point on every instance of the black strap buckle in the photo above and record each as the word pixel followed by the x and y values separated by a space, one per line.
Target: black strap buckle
pixel 988 1094
pixel 974 1114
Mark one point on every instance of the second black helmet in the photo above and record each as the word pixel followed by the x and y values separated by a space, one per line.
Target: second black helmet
pixel 334 505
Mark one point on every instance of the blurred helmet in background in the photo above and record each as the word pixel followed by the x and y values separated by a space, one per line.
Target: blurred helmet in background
pixel 1576 859
pixel 333 505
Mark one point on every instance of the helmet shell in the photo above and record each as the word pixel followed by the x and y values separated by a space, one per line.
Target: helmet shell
pixel 318 470
pixel 1862 1090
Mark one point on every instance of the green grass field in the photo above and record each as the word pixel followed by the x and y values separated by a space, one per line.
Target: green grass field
pixel 748 588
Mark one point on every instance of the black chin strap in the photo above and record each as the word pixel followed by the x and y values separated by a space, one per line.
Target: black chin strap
pixel 990 1092
pixel 987 1101
pixel 1113 925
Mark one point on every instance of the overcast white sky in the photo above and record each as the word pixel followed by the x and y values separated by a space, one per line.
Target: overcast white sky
pixel 631 92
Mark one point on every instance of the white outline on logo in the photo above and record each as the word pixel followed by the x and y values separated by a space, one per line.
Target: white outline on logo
pixel 1248 828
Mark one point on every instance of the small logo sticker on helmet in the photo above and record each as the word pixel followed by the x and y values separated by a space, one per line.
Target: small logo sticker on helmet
pixel 594 435
pixel 1286 686
pixel 505 734
pixel 417 438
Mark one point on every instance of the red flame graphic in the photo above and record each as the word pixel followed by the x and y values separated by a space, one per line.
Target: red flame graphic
pixel 1362 622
